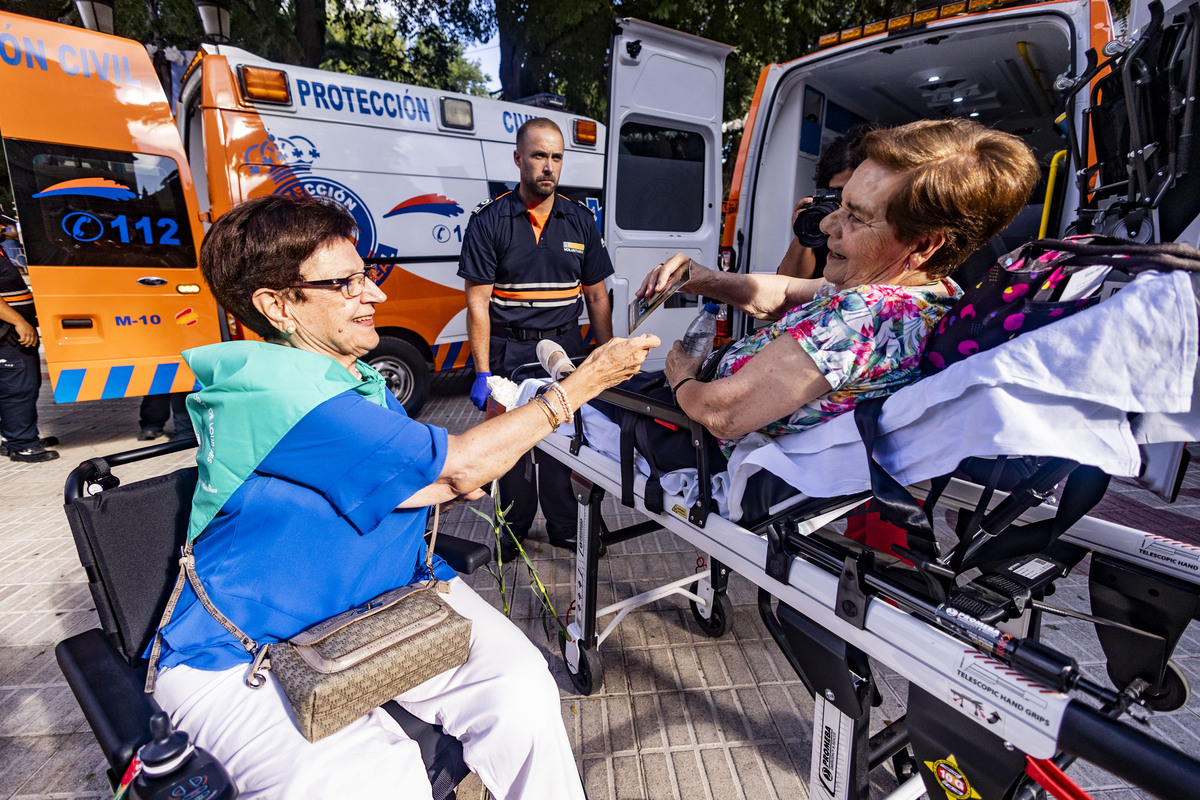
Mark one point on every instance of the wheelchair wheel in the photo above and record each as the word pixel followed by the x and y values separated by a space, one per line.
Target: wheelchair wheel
pixel 722 611
pixel 591 672
pixel 1175 691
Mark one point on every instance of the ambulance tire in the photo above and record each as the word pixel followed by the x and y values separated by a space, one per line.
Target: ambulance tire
pixel 405 370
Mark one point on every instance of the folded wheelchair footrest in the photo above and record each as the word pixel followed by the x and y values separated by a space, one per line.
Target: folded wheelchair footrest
pixel 1006 591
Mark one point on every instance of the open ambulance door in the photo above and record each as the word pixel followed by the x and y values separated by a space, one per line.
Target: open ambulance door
pixel 107 211
pixel 663 172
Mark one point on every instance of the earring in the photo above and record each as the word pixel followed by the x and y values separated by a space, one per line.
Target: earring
pixel 290 329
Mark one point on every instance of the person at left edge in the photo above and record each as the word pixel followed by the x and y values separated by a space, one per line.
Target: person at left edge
pixel 20 370
pixel 530 259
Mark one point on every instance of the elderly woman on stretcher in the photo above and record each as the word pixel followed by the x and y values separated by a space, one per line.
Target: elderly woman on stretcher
pixel 927 195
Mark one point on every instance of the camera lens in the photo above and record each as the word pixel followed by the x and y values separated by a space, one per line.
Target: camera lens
pixel 807 226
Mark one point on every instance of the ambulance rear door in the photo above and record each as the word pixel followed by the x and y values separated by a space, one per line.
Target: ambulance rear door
pixel 107 210
pixel 663 173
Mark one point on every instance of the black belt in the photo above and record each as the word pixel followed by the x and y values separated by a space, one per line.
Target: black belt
pixel 528 334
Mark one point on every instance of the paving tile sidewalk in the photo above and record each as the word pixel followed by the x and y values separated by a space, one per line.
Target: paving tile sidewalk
pixel 679 715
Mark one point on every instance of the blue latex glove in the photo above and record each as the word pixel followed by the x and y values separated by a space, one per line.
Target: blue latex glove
pixel 479 390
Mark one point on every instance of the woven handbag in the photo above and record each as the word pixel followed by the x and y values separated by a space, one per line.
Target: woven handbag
pixel 341 668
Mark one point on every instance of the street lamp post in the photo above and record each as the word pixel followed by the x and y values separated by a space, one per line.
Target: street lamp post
pixel 96 15
pixel 214 17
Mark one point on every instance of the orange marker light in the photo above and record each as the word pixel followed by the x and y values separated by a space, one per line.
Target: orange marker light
pixel 585 131
pixel 264 85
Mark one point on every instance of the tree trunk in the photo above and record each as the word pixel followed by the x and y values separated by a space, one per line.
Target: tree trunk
pixel 310 31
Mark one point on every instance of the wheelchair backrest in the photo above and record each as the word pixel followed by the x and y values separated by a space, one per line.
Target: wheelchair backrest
pixel 129 539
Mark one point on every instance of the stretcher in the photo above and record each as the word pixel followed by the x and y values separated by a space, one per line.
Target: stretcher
pixel 992 711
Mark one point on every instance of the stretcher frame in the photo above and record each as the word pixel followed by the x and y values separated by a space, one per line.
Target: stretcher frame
pixel 1035 719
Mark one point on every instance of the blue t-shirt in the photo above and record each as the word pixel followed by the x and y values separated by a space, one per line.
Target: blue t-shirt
pixel 313 531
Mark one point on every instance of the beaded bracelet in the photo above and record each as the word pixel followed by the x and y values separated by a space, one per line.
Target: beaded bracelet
pixel 551 414
pixel 562 397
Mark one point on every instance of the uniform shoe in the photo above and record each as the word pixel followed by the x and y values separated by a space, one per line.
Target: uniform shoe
pixel 149 434
pixel 506 551
pixel 33 453
pixel 45 441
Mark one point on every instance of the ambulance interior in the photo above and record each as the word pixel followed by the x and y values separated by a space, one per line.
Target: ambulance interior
pixel 1000 73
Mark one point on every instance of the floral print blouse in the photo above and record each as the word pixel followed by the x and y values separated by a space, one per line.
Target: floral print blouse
pixel 866 340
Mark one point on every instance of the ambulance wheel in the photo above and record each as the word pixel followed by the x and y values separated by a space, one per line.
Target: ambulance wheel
pixel 591 672
pixel 405 370
pixel 722 611
pixel 1175 691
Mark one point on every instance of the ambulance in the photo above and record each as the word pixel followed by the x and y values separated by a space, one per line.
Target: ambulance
pixel 114 192
pixel 1114 148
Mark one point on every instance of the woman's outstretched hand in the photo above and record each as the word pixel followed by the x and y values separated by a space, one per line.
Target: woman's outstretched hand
pixel 614 361
pixel 665 273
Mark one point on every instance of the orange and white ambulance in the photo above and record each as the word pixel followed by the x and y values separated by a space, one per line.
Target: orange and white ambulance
pixel 113 192
pixel 1026 68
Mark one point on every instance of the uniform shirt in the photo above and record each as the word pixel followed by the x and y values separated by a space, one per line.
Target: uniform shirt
pixel 537 283
pixel 14 291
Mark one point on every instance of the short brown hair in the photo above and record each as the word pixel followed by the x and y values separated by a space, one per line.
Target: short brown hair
pixel 261 243
pixel 537 123
pixel 962 180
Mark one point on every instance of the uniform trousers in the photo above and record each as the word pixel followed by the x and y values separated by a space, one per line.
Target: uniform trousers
pixel 501 704
pixel 20 380
pixel 549 482
pixel 156 409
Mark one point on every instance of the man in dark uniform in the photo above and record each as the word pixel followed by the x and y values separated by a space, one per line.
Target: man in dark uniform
pixel 20 370
pixel 530 259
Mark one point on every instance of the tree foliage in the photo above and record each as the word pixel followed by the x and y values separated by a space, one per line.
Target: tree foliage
pixel 369 40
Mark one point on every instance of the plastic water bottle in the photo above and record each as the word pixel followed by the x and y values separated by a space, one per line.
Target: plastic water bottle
pixel 698 340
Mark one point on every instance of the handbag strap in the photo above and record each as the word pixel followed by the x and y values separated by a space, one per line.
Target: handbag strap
pixel 1170 255
pixel 187 572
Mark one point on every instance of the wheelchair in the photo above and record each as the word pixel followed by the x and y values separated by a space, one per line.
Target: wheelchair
pixel 129 538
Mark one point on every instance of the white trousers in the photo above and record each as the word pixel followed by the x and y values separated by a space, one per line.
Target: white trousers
pixel 501 704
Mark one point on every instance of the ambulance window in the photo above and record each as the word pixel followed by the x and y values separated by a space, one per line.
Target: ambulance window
pixel 660 179
pixel 99 208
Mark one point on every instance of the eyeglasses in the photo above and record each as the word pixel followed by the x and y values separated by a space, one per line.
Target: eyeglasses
pixel 351 286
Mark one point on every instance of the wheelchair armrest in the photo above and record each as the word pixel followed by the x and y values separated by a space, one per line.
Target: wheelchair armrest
pixel 463 555
pixel 109 691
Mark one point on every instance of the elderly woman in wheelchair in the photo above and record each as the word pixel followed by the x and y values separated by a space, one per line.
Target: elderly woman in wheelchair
pixel 927 195
pixel 314 491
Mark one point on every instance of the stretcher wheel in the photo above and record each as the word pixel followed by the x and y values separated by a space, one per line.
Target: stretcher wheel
pixel 591 672
pixel 1175 691
pixel 722 611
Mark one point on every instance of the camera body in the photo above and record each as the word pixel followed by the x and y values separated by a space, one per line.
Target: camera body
pixel 807 226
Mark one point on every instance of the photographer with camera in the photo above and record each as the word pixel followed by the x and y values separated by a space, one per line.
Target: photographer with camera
pixel 807 252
